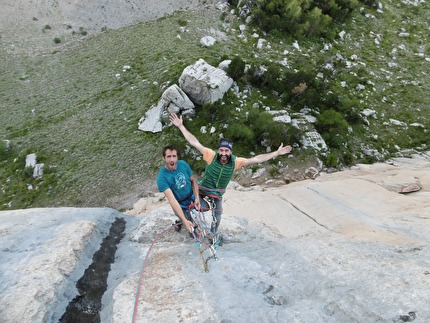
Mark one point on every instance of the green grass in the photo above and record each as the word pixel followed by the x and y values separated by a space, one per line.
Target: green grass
pixel 70 108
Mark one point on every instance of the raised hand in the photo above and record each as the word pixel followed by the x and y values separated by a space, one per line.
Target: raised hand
pixel 177 121
pixel 282 150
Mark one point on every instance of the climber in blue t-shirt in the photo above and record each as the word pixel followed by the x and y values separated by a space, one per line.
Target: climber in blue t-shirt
pixel 175 179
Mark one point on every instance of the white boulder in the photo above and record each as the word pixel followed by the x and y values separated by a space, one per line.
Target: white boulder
pixel 173 100
pixel 204 83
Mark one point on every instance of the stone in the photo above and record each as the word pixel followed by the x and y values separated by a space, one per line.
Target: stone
pixel 207 41
pixel 336 241
pixel 204 83
pixel 151 122
pixel 173 100
pixel 38 170
pixel 414 187
pixel 30 160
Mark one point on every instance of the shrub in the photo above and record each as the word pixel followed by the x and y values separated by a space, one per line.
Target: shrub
pixel 240 133
pixel 217 111
pixel 348 158
pixel 301 18
pixel 5 151
pixel 332 127
pixel 331 160
pixel 57 40
pixel 266 130
pixel 82 31
pixel 236 69
pixel 182 22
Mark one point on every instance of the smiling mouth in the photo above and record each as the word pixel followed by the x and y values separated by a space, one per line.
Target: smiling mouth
pixel 224 158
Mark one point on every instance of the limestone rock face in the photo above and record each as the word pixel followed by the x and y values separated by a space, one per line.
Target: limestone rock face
pixel 176 101
pixel 339 246
pixel 151 121
pixel 173 100
pixel 199 83
pixel 204 83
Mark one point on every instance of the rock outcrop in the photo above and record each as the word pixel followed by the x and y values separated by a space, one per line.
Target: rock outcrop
pixel 342 247
pixel 204 83
pixel 199 83
pixel 173 100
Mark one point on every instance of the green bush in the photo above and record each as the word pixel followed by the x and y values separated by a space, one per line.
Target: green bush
pixel 239 133
pixel 300 18
pixel 331 160
pixel 273 78
pixel 236 69
pixel 182 22
pixel 267 130
pixel 215 112
pixel 333 128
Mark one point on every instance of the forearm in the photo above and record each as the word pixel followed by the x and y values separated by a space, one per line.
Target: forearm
pixel 265 157
pixel 188 135
pixel 178 211
pixel 195 189
pixel 192 140
pixel 174 204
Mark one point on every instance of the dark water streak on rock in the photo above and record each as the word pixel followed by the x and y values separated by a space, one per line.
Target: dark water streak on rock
pixel 86 306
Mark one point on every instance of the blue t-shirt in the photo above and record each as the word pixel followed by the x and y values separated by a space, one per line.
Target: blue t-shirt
pixel 177 180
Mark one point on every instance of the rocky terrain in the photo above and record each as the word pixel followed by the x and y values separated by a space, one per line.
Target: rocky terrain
pixel 344 247
pixel 352 246
pixel 22 22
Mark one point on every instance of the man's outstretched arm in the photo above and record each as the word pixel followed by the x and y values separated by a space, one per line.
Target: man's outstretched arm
pixel 177 208
pixel 192 140
pixel 282 150
pixel 195 184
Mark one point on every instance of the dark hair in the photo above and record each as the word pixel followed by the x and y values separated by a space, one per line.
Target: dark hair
pixel 170 147
pixel 227 143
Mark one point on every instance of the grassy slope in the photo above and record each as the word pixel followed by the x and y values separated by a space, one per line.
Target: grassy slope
pixel 400 76
pixel 84 125
pixel 85 120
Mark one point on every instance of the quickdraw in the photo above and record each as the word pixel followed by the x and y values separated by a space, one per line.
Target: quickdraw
pixel 204 240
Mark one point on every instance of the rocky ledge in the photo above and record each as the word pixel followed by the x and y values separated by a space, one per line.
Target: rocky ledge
pixel 351 246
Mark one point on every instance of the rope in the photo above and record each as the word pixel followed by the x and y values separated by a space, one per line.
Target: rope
pixel 136 302
pixel 202 235
pixel 204 230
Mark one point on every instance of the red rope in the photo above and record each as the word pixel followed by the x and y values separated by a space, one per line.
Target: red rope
pixel 136 302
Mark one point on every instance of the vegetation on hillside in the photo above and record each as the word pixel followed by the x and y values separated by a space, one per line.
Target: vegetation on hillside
pixel 79 107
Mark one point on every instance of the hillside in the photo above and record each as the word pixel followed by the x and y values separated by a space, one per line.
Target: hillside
pixel 62 99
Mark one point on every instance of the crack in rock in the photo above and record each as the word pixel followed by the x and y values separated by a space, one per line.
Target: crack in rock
pixel 86 306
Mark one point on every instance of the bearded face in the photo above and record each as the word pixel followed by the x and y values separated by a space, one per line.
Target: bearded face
pixel 224 155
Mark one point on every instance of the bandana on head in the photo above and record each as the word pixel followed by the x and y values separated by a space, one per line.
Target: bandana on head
pixel 226 143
